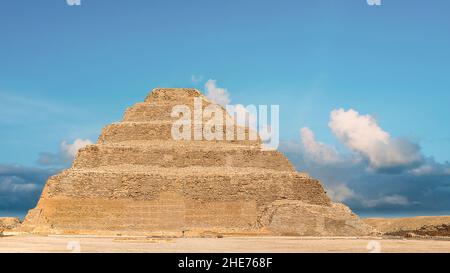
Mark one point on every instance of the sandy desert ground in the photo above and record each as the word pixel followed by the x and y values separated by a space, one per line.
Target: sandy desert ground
pixel 74 244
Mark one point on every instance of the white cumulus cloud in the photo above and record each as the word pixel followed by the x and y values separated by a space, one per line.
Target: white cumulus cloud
pixel 71 150
pixel 362 134
pixel 216 94
pixel 318 151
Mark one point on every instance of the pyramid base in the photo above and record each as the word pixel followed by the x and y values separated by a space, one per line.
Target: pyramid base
pixel 174 216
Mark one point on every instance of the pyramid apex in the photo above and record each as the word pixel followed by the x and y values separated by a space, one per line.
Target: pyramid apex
pixel 172 94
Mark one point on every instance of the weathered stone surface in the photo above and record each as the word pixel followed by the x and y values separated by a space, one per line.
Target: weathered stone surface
pixel 138 180
pixel 297 218
pixel 9 223
pixel 181 154
pixel 159 131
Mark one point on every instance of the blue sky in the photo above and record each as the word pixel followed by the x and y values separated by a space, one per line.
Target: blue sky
pixel 67 71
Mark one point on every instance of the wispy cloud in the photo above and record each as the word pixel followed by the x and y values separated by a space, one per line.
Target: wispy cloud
pixel 22 109
pixel 21 186
pixel 395 200
pixel 196 78
pixel 65 155
pixel 340 192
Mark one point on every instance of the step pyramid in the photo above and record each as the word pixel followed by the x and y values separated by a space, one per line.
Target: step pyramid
pixel 138 180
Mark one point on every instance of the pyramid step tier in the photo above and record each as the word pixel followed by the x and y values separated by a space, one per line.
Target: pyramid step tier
pixel 197 183
pixel 149 112
pixel 181 154
pixel 160 130
pixel 143 112
pixel 164 96
pixel 170 211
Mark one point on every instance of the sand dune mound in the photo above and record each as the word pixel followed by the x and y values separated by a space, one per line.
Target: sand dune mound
pixel 420 226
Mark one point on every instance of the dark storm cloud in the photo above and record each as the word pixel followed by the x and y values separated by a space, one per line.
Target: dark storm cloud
pixel 420 188
pixel 20 187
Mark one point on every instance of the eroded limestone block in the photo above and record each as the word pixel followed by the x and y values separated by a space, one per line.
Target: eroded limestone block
pixel 297 218
pixel 9 223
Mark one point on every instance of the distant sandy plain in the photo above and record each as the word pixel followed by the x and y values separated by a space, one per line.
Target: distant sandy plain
pixel 76 244
pixel 381 244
